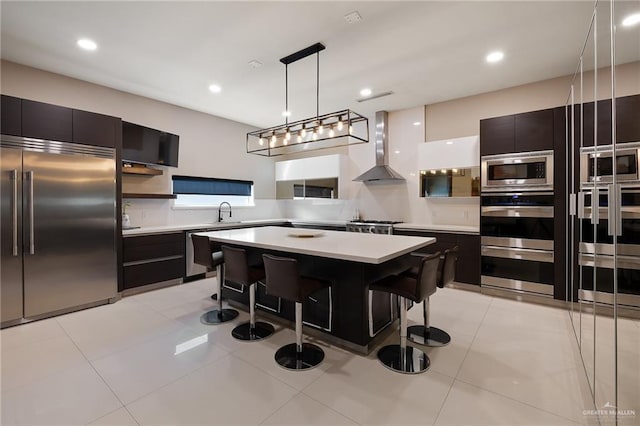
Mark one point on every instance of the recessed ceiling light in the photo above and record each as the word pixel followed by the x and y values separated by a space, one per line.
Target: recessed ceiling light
pixel 87 44
pixel 353 17
pixel 365 92
pixel 286 113
pixel 214 88
pixel 396 151
pixel 494 57
pixel 417 123
pixel 254 63
pixel 631 20
pixel 449 143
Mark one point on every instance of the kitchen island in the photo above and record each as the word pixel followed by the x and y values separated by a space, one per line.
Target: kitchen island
pixel 350 261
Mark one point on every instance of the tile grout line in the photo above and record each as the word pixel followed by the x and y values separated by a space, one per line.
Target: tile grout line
pixel 475 335
pixel 444 401
pixel 122 405
pixel 488 390
pixel 518 401
pixel 322 403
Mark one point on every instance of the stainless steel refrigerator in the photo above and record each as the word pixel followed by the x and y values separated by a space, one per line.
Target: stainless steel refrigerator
pixel 58 230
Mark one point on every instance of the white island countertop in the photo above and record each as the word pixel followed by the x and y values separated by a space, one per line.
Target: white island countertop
pixel 351 246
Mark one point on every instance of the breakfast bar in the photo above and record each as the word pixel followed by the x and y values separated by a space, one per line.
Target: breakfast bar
pixel 350 261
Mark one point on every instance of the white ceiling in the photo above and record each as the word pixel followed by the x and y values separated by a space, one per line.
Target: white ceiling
pixel 424 52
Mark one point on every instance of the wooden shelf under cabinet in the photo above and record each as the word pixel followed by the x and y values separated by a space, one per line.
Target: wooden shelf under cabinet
pixel 134 170
pixel 157 196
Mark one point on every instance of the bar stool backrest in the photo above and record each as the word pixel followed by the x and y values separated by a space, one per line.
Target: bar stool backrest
pixel 202 252
pixel 427 280
pixel 282 277
pixel 448 268
pixel 236 265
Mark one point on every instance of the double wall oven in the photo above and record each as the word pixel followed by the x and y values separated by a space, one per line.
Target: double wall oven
pixel 604 210
pixel 516 223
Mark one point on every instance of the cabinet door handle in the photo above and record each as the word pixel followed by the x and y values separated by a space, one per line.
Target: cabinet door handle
pixel 580 205
pixel 14 211
pixel 618 210
pixel 595 211
pixel 572 204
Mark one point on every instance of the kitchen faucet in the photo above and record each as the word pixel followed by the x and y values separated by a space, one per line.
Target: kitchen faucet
pixel 220 210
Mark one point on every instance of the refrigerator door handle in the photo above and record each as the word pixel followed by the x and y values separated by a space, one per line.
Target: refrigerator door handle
pixel 32 248
pixel 14 211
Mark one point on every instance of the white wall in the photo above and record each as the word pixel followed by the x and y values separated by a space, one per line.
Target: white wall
pixel 212 146
pixel 209 146
pixel 446 120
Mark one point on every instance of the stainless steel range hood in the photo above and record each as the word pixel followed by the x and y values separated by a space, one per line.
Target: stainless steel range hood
pixel 381 173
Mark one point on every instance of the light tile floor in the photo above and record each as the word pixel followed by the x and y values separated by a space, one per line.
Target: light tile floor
pixel 148 360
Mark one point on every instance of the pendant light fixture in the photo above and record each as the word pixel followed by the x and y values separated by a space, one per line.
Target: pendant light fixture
pixel 331 130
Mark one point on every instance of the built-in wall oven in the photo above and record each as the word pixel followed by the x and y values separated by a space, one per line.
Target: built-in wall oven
pixel 517 172
pixel 517 242
pixel 596 249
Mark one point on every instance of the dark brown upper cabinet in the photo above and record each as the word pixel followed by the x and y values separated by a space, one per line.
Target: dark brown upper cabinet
pixel 94 129
pixel 534 131
pixel 528 131
pixel 627 120
pixel 11 113
pixel 497 135
pixel 588 122
pixel 46 121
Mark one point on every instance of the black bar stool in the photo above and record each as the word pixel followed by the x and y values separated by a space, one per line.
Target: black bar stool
pixel 238 270
pixel 427 334
pixel 403 358
pixel 204 255
pixel 284 281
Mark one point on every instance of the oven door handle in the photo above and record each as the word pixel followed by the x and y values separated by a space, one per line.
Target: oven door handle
pixel 518 254
pixel 518 211
pixel 606 262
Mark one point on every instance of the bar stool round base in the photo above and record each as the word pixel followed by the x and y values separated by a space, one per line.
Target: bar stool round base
pixel 415 360
pixel 435 337
pixel 217 316
pixel 288 357
pixel 259 332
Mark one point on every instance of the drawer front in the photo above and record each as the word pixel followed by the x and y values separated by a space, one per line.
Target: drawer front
pixel 153 247
pixel 153 272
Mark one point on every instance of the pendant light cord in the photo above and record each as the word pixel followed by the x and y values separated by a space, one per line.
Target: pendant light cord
pixel 286 93
pixel 317 84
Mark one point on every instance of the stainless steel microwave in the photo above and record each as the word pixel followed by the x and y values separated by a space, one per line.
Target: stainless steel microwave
pixel 596 164
pixel 525 171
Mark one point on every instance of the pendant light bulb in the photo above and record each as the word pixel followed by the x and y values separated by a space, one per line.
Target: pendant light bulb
pixel 261 141
pixel 320 128
pixel 315 136
pixel 273 139
pixel 287 136
pixel 284 141
pixel 303 132
pixel 299 137
pixel 339 125
pixel 350 129
pixel 331 133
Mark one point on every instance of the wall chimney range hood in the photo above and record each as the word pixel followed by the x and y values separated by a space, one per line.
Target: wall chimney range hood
pixel 381 173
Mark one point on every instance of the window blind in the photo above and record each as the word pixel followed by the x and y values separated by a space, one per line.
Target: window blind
pixel 210 186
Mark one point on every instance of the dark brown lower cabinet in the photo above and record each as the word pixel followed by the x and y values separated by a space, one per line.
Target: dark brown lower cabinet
pixel 151 259
pixel 468 265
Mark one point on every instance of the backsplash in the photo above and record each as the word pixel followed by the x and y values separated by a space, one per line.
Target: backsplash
pixel 144 213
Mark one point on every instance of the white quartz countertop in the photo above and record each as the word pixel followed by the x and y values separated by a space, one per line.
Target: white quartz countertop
pixel 320 222
pixel 465 229
pixel 352 246
pixel 196 226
